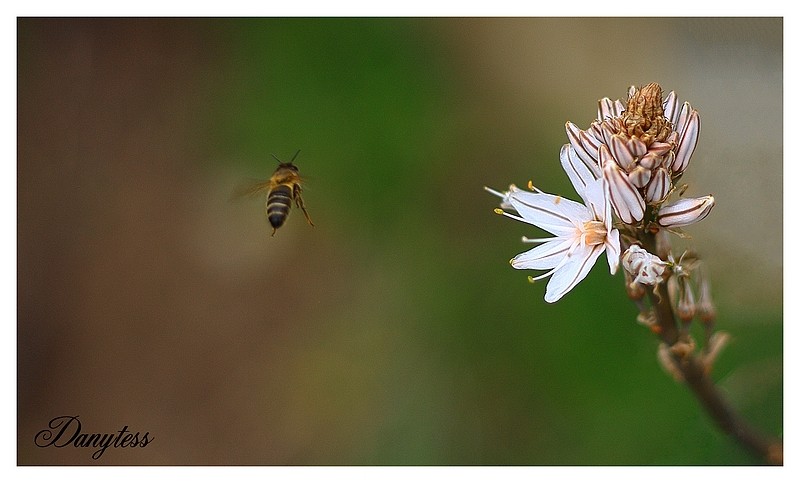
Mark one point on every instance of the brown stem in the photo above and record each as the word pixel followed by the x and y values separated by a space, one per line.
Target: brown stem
pixel 696 376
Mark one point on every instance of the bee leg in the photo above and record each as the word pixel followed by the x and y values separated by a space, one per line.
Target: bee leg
pixel 298 200
pixel 273 231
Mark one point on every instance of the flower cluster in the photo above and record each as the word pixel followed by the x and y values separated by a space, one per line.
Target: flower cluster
pixel 625 165
pixel 641 149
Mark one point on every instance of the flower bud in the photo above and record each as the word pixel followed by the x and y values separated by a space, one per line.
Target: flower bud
pixel 659 148
pixel 705 305
pixel 637 147
pixel 688 126
pixel 663 245
pixel 650 160
pixel 639 176
pixel 671 104
pixel 659 186
pixel 665 358
pixel 685 211
pixel 619 149
pixel 673 288
pixel 609 109
pixel 625 198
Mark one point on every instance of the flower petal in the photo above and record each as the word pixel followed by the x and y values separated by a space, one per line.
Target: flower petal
pixel 612 250
pixel 580 261
pixel 543 257
pixel 555 214
pixel 576 137
pixel 597 201
pixel 577 171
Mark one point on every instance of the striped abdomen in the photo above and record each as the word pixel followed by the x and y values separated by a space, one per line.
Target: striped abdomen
pixel 278 203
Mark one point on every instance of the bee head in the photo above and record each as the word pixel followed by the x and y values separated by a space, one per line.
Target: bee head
pixel 290 164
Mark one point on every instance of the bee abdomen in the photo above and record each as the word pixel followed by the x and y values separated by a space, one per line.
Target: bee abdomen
pixel 278 203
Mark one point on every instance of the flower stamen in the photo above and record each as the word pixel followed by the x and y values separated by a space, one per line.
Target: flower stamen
pixel 594 233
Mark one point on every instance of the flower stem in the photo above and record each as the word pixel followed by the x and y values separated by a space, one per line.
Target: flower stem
pixel 694 372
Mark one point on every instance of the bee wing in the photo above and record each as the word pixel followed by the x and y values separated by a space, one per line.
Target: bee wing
pixel 250 189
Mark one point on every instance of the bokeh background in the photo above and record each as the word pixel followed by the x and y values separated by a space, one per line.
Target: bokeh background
pixel 393 332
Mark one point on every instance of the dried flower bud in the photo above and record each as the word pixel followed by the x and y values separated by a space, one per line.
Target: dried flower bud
pixel 685 211
pixel 663 245
pixel 665 358
pixel 686 306
pixel 634 289
pixel 715 345
pixel 706 309
pixel 673 288
pixel 644 114
pixel 683 348
pixel 645 267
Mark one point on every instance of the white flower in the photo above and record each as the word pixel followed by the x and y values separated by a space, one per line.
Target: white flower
pixel 645 267
pixel 582 232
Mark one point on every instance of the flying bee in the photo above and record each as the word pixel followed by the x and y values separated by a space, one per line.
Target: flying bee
pixel 282 187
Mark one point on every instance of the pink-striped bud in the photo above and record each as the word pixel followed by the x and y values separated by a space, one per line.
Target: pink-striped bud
pixel 625 198
pixel 685 211
pixel 659 186
pixel 689 128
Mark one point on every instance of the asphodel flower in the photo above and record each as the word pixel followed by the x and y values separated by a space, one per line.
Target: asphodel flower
pixel 640 147
pixel 581 231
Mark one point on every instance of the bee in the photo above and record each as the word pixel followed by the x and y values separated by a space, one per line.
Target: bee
pixel 282 187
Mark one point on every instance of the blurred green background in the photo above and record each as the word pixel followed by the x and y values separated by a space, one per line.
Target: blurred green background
pixel 393 332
